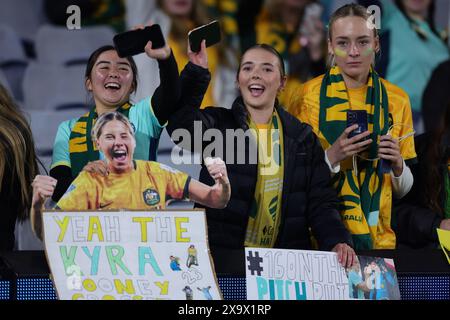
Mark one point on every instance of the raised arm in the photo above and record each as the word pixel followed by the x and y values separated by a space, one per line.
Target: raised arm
pixel 43 188
pixel 216 196
pixel 195 79
pixel 167 95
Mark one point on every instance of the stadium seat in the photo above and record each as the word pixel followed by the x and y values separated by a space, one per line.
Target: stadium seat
pixel 44 125
pixel 13 60
pixel 23 16
pixel 56 87
pixel 4 82
pixel 58 45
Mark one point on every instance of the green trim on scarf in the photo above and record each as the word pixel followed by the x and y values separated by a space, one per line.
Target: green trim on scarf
pixel 81 147
pixel 362 197
pixel 264 218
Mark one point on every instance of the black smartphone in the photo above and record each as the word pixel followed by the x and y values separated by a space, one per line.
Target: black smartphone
pixel 209 32
pixel 385 166
pixel 358 117
pixel 133 42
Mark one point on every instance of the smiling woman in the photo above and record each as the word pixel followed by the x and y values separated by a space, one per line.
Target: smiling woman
pixel 269 206
pixel 111 80
pixel 131 184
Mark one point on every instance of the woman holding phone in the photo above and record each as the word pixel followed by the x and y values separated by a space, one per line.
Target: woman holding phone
pixel 369 167
pixel 279 180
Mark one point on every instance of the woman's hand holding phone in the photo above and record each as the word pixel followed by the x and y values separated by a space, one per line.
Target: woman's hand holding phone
pixel 345 147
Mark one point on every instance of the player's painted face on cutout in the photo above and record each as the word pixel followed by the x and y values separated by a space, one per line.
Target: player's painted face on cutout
pixel 117 144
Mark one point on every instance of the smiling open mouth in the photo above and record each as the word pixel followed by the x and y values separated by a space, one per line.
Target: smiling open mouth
pixel 120 155
pixel 256 90
pixel 113 86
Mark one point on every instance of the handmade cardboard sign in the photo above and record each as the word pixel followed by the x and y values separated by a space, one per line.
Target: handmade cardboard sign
pixel 282 274
pixel 130 255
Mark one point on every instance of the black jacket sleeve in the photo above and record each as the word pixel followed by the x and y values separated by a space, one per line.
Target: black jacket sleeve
pixel 324 218
pixel 194 83
pixel 166 96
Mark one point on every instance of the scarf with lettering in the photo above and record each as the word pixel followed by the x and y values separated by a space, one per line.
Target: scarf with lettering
pixel 360 195
pixel 264 219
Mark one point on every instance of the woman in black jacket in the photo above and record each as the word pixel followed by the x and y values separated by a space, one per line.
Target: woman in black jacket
pixel 427 206
pixel 279 180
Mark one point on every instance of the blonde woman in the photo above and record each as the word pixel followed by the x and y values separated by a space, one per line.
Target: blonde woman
pixel 132 184
pixel 364 189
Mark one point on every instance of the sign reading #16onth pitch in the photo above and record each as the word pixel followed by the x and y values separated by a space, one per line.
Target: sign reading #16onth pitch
pixel 282 274
pixel 130 255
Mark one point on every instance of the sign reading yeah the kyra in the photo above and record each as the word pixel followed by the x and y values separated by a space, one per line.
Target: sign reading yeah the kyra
pixel 130 255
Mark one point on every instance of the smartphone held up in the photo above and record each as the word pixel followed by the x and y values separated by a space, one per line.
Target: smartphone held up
pixel 133 42
pixel 209 32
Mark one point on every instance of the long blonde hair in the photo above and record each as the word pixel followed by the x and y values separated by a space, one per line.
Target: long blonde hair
pixel 17 155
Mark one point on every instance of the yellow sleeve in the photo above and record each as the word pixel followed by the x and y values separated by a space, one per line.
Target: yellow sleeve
pixel 177 182
pixel 305 104
pixel 407 148
pixel 77 196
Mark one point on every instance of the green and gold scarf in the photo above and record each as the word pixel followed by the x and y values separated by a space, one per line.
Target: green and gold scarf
pixel 81 147
pixel 265 212
pixel 359 195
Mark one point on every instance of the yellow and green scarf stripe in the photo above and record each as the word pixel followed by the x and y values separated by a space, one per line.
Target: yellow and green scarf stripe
pixel 359 195
pixel 81 147
pixel 265 211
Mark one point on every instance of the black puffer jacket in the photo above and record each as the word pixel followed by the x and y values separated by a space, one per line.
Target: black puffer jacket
pixel 308 200
pixel 414 222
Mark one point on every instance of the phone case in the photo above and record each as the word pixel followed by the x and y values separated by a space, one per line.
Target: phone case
pixel 385 166
pixel 133 42
pixel 210 32
pixel 358 117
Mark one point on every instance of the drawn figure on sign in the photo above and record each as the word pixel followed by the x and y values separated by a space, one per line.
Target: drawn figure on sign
pixel 192 256
pixel 189 293
pixel 175 263
pixel 206 293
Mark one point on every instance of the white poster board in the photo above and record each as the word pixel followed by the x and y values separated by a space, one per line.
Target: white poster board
pixel 284 274
pixel 130 255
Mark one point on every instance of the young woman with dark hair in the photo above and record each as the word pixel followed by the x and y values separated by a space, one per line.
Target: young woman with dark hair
pixel 285 192
pixel 112 80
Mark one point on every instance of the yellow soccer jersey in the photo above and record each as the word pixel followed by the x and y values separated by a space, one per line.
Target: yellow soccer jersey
pixel 149 186
pixel 305 106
